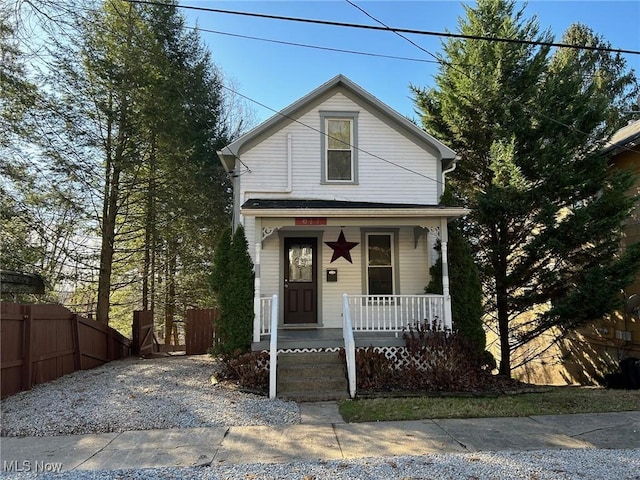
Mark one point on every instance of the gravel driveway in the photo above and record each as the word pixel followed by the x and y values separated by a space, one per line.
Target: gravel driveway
pixel 137 394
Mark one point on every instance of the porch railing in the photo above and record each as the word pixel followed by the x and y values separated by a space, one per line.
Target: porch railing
pixel 349 345
pixel 267 315
pixel 273 346
pixel 393 313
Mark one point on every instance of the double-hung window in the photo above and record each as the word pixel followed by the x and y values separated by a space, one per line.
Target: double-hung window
pixel 380 263
pixel 339 152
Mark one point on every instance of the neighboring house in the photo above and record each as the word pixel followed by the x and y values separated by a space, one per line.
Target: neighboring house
pixel 597 348
pixel 619 335
pixel 339 196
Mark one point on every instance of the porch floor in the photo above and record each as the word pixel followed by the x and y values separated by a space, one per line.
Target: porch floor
pixel 328 338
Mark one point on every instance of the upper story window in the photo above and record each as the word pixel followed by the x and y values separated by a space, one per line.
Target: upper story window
pixel 339 152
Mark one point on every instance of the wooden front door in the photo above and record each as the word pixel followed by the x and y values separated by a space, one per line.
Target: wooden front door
pixel 300 280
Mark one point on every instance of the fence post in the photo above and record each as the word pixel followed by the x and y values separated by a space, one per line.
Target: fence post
pixel 110 353
pixel 27 362
pixel 77 355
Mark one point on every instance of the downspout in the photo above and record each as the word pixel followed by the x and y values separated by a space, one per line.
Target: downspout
pixel 448 317
pixel 453 166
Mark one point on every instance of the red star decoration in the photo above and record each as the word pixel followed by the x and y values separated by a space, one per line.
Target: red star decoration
pixel 341 248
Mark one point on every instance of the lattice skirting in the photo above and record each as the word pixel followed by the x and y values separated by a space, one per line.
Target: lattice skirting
pixel 402 358
pixel 399 356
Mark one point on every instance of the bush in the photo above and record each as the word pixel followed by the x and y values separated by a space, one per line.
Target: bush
pixel 441 361
pixel 432 361
pixel 374 370
pixel 232 278
pixel 248 370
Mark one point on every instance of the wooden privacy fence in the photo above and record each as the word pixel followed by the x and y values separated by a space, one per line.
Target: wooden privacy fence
pixel 40 343
pixel 200 330
pixel 142 333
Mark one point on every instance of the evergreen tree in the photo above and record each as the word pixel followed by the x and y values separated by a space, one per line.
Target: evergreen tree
pixel 41 216
pixel 464 282
pixel 221 270
pixel 235 294
pixel 546 210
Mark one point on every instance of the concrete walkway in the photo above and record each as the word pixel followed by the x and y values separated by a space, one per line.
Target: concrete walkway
pixel 322 435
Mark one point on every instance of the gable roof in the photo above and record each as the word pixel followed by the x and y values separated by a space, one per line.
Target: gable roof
pixel 229 153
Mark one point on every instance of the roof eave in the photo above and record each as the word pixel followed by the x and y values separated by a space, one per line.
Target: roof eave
pixel 227 159
pixel 450 212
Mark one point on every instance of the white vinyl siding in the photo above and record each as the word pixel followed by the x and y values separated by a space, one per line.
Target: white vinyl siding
pixel 378 179
pixel 349 275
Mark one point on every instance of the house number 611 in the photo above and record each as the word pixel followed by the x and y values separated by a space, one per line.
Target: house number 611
pixel 311 221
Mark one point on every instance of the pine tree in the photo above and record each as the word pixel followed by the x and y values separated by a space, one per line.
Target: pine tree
pixel 546 211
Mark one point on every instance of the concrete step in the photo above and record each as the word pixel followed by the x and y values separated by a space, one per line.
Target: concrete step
pixel 311 376
pixel 315 358
pixel 325 396
pixel 312 384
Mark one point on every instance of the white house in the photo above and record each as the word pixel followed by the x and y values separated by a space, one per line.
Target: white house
pixel 339 196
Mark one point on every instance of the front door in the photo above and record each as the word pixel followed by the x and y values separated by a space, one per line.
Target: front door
pixel 300 280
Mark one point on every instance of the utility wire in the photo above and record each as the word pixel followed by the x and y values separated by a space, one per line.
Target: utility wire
pixel 317 47
pixel 400 30
pixel 462 72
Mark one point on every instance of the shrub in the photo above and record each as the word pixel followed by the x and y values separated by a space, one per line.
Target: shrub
pixel 249 370
pixel 432 360
pixel 441 361
pixel 232 278
pixel 374 370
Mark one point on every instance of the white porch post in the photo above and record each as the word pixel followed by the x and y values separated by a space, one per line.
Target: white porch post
pixel 447 320
pixel 256 281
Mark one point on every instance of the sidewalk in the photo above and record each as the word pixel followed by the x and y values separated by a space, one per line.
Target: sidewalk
pixel 322 435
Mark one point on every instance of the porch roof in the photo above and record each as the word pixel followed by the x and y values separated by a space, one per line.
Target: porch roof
pixel 340 208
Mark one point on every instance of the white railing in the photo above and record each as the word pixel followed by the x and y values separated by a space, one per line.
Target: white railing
pixel 266 315
pixel 273 346
pixel 349 345
pixel 393 313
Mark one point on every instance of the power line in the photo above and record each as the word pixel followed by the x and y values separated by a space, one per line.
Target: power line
pixel 317 47
pixel 511 100
pixel 400 30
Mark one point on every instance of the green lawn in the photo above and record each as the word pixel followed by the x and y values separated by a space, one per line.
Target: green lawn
pixel 548 401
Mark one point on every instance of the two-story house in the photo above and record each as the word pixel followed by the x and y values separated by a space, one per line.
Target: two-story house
pixel 339 196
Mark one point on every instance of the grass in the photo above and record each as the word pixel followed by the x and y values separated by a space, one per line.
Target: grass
pixel 549 401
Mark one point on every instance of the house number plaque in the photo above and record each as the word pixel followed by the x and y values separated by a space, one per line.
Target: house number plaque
pixel 311 221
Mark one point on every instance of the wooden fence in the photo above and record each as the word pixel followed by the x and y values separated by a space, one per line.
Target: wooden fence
pixel 200 330
pixel 142 333
pixel 39 343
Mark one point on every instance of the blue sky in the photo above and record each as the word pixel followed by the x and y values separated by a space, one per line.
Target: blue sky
pixel 277 75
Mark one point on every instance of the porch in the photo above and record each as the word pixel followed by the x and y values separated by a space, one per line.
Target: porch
pixel 376 320
pixel 367 320
pixel 326 338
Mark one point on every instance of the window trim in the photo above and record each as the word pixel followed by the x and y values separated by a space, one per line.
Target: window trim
pixel 339 115
pixel 395 257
